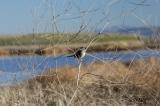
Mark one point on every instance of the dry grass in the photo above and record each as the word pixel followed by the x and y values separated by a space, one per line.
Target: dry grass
pixel 4 52
pixel 58 43
pixel 153 42
pixel 62 48
pixel 101 83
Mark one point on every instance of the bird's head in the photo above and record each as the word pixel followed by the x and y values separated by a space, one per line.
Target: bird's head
pixel 82 48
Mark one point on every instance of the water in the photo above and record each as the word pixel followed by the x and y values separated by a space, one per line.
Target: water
pixel 17 68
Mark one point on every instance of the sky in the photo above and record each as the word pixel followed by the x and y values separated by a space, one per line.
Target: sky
pixel 27 16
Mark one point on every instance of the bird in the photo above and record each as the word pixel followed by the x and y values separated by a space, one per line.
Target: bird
pixel 79 53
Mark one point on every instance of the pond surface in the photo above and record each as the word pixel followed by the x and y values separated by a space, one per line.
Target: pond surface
pixel 17 68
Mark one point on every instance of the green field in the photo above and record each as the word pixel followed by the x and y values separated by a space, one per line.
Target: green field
pixel 61 38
